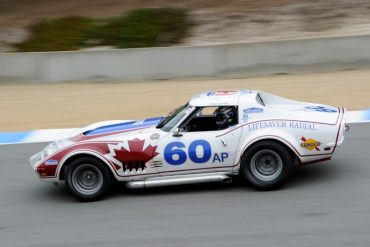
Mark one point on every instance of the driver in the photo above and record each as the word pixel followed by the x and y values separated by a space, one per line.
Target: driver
pixel 226 116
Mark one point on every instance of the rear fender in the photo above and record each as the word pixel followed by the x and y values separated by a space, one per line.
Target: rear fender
pixel 308 141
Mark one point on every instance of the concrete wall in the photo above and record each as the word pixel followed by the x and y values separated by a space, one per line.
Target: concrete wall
pixel 171 62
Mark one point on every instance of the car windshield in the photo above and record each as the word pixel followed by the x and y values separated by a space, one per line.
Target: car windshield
pixel 173 118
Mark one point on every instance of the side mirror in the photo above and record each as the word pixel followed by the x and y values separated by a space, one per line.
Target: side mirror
pixel 177 133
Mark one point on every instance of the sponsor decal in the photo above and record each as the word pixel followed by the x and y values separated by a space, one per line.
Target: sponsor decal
pixel 51 162
pixel 221 93
pixel 253 110
pixel 124 155
pixel 154 136
pixel 175 153
pixel 320 109
pixel 245 118
pixel 310 144
pixel 280 124
pixel 155 163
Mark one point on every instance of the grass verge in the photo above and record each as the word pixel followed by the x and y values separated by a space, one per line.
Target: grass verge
pixel 137 28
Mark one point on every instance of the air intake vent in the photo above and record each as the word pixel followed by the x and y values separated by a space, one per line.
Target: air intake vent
pixel 133 166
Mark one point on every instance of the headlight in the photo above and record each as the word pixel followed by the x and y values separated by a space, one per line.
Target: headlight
pixel 36 158
pixel 51 148
pixel 55 146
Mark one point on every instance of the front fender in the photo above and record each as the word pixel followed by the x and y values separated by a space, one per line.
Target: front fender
pixel 67 159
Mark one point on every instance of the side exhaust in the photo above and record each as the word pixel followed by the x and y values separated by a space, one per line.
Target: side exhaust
pixel 178 180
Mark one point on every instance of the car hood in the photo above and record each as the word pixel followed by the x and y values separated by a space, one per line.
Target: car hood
pixel 114 130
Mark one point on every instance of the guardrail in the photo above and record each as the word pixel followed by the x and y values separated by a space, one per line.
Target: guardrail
pixel 198 61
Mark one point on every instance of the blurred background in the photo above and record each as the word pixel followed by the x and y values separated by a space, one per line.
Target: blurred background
pixel 70 63
pixel 209 45
pixel 43 25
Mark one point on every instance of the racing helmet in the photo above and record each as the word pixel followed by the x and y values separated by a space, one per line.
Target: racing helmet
pixel 225 116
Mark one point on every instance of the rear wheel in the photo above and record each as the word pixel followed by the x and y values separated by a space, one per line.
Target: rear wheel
pixel 266 165
pixel 88 179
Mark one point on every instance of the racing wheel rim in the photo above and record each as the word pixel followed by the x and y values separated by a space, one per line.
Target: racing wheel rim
pixel 87 179
pixel 266 165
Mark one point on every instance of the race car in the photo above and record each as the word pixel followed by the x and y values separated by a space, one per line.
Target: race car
pixel 215 136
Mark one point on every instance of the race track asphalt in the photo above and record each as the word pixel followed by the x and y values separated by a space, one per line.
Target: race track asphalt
pixel 326 204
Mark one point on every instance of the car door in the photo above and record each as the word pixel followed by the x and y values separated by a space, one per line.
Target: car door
pixel 198 151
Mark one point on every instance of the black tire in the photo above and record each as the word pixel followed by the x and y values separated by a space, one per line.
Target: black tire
pixel 266 165
pixel 88 178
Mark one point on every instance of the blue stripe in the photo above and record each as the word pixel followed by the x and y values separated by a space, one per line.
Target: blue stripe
pixel 124 126
pixel 115 125
pixel 367 114
pixel 153 119
pixel 13 137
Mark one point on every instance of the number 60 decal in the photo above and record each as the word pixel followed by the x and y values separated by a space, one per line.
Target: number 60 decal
pixel 174 153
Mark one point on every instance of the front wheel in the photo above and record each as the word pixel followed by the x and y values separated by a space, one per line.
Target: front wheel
pixel 266 165
pixel 88 179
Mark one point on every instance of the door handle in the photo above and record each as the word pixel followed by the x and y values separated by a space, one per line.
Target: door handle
pixel 223 142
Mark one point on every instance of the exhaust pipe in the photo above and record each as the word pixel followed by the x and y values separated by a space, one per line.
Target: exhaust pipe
pixel 178 180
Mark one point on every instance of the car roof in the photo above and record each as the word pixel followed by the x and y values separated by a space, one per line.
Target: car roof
pixel 221 97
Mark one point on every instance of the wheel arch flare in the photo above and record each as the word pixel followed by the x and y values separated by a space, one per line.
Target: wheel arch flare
pixel 69 158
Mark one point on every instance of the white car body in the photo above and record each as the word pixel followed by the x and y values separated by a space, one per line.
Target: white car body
pixel 310 132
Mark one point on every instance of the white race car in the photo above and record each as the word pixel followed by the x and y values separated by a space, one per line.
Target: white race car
pixel 213 137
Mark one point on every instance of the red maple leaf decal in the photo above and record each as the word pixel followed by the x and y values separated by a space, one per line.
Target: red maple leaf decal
pixel 117 167
pixel 136 152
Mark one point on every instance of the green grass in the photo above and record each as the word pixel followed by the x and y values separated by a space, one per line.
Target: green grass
pixel 138 28
pixel 145 28
pixel 64 34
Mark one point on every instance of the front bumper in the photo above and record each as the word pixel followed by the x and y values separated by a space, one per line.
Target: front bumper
pixel 37 162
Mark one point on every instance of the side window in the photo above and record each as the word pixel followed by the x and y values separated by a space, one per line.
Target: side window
pixel 259 100
pixel 211 118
